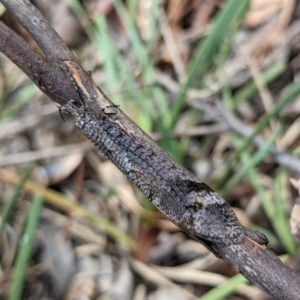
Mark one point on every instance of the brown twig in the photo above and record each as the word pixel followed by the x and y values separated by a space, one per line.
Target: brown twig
pixel 39 28
pixel 47 76
pixel 254 260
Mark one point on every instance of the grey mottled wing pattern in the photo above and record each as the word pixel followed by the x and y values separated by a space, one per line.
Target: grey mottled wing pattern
pixel 208 215
pixel 190 204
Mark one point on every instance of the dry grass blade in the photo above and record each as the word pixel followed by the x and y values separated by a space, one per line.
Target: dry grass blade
pixel 61 202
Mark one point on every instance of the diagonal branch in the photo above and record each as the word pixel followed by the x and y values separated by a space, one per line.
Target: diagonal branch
pixel 39 28
pixel 182 197
pixel 48 77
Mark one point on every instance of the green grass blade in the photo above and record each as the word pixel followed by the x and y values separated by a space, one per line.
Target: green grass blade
pixel 19 99
pixel 153 33
pixel 115 68
pixel 273 208
pixel 285 99
pixel 248 90
pixel 108 51
pixel 25 248
pixel 137 45
pixel 227 288
pixel 253 161
pixel 62 202
pixel 9 205
pixel 144 63
pixel 264 198
pixel 205 53
pixel 79 12
pixel 204 56
pixel 280 217
pixel 133 7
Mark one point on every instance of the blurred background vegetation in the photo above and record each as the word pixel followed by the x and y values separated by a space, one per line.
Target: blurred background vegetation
pixel 216 84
